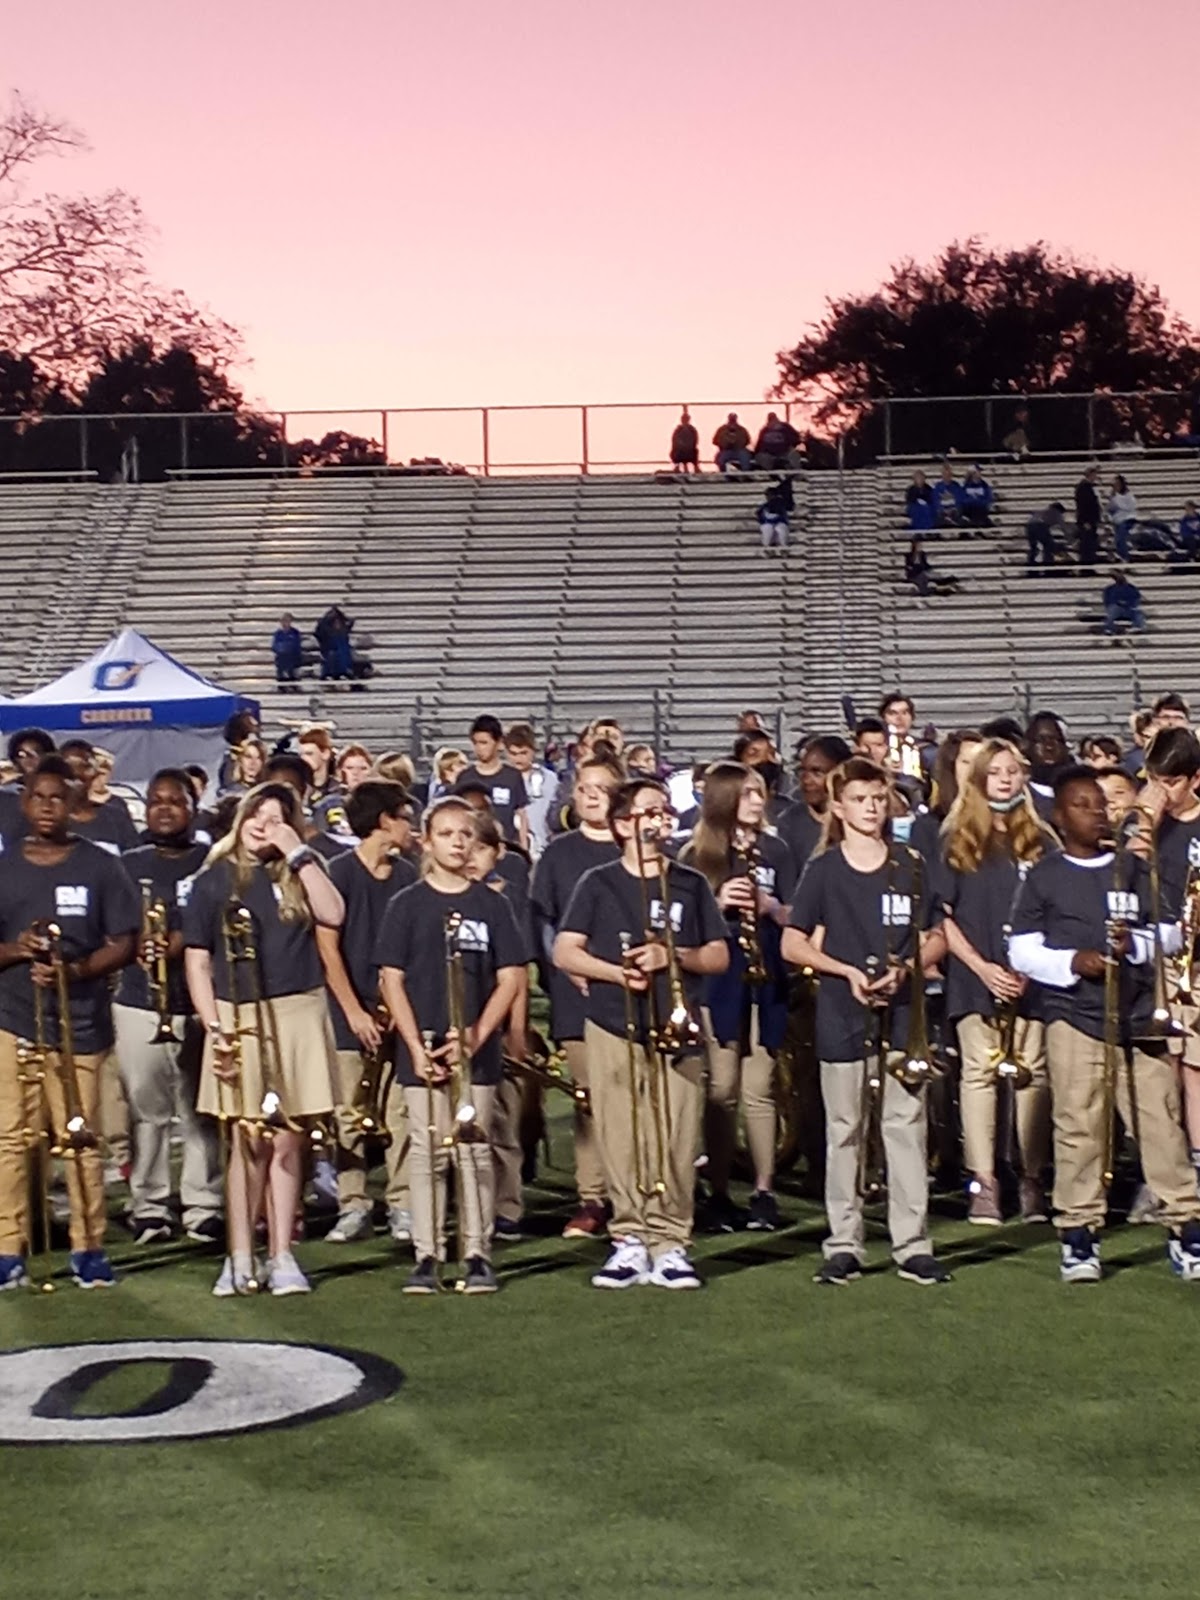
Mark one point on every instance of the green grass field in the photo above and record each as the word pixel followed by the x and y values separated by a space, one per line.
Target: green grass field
pixel 1004 1436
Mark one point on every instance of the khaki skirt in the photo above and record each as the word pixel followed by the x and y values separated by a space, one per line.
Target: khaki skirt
pixel 303 1047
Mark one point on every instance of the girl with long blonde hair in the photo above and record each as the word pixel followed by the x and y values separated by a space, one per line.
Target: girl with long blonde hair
pixel 272 1000
pixel 989 841
pixel 752 873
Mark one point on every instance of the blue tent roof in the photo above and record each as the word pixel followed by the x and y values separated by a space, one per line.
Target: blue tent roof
pixel 130 683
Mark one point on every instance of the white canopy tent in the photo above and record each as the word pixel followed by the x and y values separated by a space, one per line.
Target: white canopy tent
pixel 137 702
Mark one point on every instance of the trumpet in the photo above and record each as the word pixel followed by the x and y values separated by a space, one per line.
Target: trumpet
pixel 364 1114
pixel 154 946
pixel 749 938
pixel 1007 1062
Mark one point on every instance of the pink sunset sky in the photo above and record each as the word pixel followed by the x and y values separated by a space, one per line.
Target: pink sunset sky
pixel 545 200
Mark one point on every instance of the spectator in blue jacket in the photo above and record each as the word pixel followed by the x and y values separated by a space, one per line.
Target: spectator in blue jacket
pixel 287 648
pixel 918 500
pixel 977 500
pixel 1123 603
pixel 1189 529
pixel 948 499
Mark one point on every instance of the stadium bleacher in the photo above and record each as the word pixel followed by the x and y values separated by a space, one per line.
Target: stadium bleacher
pixel 556 598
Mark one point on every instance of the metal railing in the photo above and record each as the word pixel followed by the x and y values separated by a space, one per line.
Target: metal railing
pixel 493 441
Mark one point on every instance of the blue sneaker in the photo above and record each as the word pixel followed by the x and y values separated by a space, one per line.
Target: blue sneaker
pixel 1183 1252
pixel 1080 1261
pixel 12 1272
pixel 91 1269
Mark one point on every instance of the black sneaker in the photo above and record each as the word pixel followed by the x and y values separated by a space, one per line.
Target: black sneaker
pixel 839 1269
pixel 150 1230
pixel 720 1215
pixel 764 1212
pixel 925 1270
pixel 505 1231
pixel 423 1279
pixel 209 1230
pixel 479 1279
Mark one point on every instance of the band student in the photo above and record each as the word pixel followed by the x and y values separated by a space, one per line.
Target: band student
pixel 641 932
pixel 159 1041
pixel 560 867
pixel 1082 929
pixel 991 838
pixel 857 911
pixel 442 933
pixel 752 874
pixel 505 785
pixel 379 814
pixel 256 982
pixel 69 919
pixel 1169 833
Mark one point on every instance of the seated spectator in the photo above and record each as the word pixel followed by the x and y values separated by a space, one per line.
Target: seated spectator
pixel 685 445
pixel 1039 533
pixel 776 444
pixel 288 649
pixel 774 515
pixel 918 500
pixel 1017 440
pixel 921 575
pixel 733 445
pixel 1189 530
pixel 1122 509
pixel 947 499
pixel 976 500
pixel 1099 750
pixel 1123 603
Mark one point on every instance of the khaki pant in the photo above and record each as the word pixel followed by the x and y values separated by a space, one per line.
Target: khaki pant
pixel 589 1163
pixel 112 1111
pixel 507 1154
pixel 979 1094
pixel 1151 1115
pixel 21 1109
pixel 904 1148
pixel 660 1221
pixel 351 1150
pixel 429 1161
pixel 737 1072
pixel 160 1083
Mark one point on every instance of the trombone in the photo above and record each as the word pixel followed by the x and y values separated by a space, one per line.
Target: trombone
pixel 269 1116
pixel 1189 927
pixel 870 1179
pixel 155 934
pixel 466 1133
pixel 544 1067
pixel 656 1069
pixel 1006 1060
pixel 1163 1024
pixel 916 1065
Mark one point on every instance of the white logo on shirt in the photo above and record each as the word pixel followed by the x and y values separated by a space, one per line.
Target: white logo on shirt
pixel 473 935
pixel 534 785
pixel 71 900
pixel 501 797
pixel 1194 852
pixel 764 876
pixel 1123 905
pixel 183 891
pixel 896 910
pixel 657 919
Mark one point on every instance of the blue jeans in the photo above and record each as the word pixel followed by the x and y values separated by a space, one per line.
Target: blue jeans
pixel 1122 534
pixel 1117 611
pixel 737 458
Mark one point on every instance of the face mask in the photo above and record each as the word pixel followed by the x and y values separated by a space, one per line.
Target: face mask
pixel 1002 807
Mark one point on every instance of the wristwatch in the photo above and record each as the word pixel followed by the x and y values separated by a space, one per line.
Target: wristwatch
pixel 301 857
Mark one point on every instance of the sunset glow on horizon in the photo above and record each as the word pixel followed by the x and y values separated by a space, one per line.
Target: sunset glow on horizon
pixel 549 202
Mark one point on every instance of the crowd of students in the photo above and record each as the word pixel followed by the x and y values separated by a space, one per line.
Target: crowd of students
pixel 975 951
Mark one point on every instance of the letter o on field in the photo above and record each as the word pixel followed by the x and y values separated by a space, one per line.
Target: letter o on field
pixel 211 1387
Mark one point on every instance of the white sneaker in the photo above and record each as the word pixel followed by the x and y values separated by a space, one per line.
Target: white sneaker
pixel 629 1264
pixel 324 1181
pixel 352 1224
pixel 673 1270
pixel 1080 1257
pixel 1144 1206
pixel 231 1282
pixel 285 1277
pixel 400 1224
